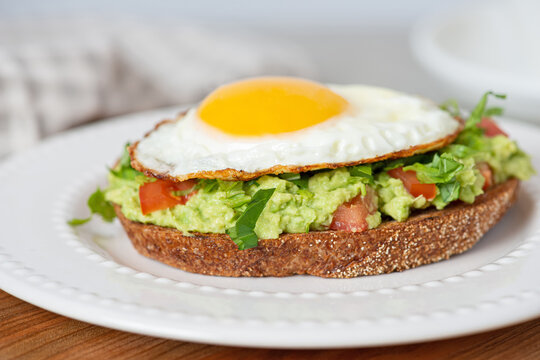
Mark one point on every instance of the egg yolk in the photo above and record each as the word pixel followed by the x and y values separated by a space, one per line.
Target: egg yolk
pixel 269 105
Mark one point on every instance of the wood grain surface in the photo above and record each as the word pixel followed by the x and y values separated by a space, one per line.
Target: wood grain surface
pixel 28 332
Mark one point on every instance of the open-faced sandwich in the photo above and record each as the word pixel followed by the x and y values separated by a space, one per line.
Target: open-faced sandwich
pixel 279 176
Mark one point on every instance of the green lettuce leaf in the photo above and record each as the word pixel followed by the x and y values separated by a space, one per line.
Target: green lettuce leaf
pixel 442 169
pixel 449 191
pixel 124 170
pixel 207 185
pixel 392 164
pixel 451 106
pixel 479 111
pixel 362 171
pixel 97 205
pixel 300 180
pixel 458 150
pixel 243 232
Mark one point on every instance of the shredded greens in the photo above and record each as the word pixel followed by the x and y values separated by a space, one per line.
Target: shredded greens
pixel 124 169
pixel 439 170
pixel 480 110
pixel 300 180
pixel 451 106
pixel 243 232
pixel 362 171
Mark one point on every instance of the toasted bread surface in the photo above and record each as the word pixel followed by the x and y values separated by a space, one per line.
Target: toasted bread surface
pixel 427 236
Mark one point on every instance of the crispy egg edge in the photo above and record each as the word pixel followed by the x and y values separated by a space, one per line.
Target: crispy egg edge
pixel 240 175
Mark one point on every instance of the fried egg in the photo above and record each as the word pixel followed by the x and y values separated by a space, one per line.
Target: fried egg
pixel 272 125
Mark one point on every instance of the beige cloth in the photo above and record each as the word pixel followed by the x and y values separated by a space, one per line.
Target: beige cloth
pixel 57 74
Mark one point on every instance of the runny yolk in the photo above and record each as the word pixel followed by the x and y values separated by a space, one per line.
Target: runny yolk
pixel 269 105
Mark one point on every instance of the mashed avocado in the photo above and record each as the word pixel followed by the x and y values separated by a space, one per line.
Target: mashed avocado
pixel 214 208
pixel 505 159
pixel 297 203
pixel 297 207
pixel 309 202
pixel 394 200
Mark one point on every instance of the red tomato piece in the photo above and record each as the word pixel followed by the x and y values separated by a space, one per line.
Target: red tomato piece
pixel 491 129
pixel 412 185
pixel 183 185
pixel 486 172
pixel 158 195
pixel 351 215
pixel 429 191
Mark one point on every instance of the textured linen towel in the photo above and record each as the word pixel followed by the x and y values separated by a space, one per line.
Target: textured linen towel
pixel 57 74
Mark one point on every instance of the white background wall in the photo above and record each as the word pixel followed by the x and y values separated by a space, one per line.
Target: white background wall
pixel 349 41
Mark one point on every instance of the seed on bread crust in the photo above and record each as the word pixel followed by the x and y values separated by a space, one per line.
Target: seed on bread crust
pixel 426 237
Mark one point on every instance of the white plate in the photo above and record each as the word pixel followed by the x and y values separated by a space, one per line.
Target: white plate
pixel 93 274
pixel 482 45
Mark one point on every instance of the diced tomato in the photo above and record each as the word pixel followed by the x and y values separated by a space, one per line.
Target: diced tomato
pixel 411 183
pixel 486 172
pixel 490 127
pixel 351 215
pixel 158 195
pixel 183 185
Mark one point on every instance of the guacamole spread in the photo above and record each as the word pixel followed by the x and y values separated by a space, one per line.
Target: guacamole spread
pixel 296 203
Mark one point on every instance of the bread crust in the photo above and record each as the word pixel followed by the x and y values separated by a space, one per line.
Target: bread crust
pixel 428 236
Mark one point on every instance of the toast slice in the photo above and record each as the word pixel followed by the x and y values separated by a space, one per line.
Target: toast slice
pixel 428 236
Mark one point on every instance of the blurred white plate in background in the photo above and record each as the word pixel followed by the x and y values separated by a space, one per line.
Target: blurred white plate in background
pixel 483 46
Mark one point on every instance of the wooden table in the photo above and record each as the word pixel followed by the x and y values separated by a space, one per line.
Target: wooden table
pixel 27 331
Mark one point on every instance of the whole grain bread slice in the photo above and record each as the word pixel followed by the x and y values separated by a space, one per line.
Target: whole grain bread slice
pixel 426 237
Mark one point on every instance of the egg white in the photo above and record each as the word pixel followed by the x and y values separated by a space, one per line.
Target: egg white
pixel 379 121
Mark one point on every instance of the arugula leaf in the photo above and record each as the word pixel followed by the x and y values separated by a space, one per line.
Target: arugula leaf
pixel 124 170
pixel 290 176
pixel 243 236
pixel 363 171
pixel 234 192
pixel 126 173
pixel 252 182
pixel 303 182
pixel 208 185
pixel 472 135
pixel 472 138
pixel 77 222
pixel 255 207
pixel 97 205
pixel 237 200
pixel 449 191
pixel 392 164
pixel 451 106
pixel 458 150
pixel 440 170
pixel 125 160
pixel 479 110
pixel 228 186
pixel 494 111
pixel 300 180
pixel 446 164
pixel 243 232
